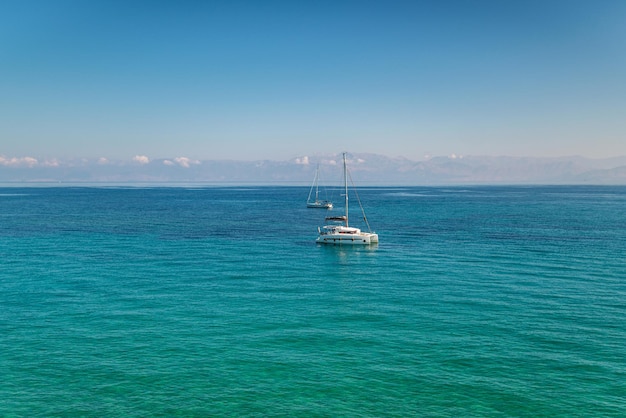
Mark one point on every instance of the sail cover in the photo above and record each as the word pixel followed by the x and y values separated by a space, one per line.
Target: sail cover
pixel 336 218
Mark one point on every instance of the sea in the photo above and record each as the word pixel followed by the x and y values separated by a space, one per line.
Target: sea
pixel 216 301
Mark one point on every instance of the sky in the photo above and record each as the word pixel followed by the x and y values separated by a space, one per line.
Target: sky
pixel 253 80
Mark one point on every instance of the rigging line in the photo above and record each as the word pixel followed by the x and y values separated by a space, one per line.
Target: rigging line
pixel 358 199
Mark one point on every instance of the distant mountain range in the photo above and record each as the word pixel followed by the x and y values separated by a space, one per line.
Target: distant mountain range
pixel 366 169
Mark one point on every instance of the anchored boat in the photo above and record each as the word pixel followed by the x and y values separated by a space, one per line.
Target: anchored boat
pixel 317 203
pixel 337 230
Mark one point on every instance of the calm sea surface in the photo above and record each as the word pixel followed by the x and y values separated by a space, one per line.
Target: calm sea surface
pixel 216 301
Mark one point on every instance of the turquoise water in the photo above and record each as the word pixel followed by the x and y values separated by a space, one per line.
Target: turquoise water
pixel 215 301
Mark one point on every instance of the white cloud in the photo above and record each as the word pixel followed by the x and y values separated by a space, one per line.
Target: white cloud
pixel 181 161
pixel 29 161
pixel 185 162
pixel 141 159
pixel 355 161
pixel 51 163
pixel 18 162
pixel 303 161
pixel 103 161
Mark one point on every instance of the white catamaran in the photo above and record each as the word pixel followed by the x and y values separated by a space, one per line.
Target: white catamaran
pixel 338 232
pixel 317 203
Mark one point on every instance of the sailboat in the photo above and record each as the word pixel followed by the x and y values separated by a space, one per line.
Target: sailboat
pixel 317 203
pixel 338 232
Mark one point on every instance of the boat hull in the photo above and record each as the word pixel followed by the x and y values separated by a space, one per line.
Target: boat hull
pixel 348 239
pixel 319 205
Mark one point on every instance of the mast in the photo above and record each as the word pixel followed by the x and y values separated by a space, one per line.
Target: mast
pixel 314 185
pixel 345 179
pixel 317 179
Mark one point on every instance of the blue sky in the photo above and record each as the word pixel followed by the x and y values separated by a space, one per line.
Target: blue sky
pixel 248 80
